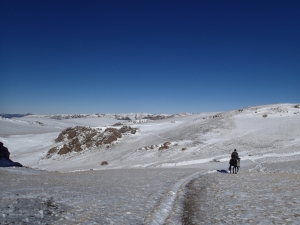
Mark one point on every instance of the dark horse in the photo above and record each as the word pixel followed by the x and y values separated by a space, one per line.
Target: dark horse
pixel 235 164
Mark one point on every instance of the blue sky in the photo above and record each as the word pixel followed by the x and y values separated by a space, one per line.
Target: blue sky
pixel 115 56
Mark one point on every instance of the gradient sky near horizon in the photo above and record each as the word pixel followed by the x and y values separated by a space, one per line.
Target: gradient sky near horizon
pixel 166 56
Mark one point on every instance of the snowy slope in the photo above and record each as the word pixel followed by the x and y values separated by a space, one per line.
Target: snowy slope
pixel 144 181
pixel 193 139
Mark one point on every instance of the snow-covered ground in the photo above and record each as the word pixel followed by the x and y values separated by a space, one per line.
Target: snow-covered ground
pixel 145 183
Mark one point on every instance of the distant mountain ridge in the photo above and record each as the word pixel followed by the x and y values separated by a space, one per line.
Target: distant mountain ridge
pixel 129 116
pixel 9 115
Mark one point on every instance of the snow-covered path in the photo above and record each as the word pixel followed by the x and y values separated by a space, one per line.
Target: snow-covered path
pixel 130 196
pixel 163 210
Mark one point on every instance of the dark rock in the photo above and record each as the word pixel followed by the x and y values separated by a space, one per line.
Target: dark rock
pixel 9 163
pixel 128 129
pixel 64 150
pixel 165 146
pixel 104 163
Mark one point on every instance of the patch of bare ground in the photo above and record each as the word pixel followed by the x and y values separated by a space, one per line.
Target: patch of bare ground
pixel 195 195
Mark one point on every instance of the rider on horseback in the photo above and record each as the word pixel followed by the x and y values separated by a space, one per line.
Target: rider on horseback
pixel 235 155
pixel 235 161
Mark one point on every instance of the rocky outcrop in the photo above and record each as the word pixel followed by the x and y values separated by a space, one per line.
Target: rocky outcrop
pixel 8 163
pixel 160 147
pixel 77 139
pixel 164 146
pixel 104 163
pixel 157 117
pixel 128 129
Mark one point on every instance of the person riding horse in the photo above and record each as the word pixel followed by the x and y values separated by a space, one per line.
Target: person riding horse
pixel 235 155
pixel 234 162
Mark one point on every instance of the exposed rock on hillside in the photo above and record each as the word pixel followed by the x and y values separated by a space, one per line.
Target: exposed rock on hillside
pixel 279 110
pixel 9 163
pixel 165 146
pixel 104 163
pixel 159 147
pixel 76 139
pixel 157 117
pixel 128 129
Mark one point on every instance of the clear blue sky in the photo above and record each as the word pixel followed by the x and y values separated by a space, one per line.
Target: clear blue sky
pixel 121 56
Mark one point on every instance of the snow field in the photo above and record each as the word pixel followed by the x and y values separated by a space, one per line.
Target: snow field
pixel 92 197
pixel 245 198
pixel 145 185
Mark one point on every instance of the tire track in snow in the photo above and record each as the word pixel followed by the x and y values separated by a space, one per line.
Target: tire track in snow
pixel 162 211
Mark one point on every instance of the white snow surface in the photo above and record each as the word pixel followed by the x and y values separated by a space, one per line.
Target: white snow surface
pixel 142 184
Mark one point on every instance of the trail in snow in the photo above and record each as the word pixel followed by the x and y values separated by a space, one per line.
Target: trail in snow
pixel 225 158
pixel 90 197
pixel 163 210
pixel 128 196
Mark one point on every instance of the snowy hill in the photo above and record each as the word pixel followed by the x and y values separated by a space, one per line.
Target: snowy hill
pixel 259 133
pixel 164 171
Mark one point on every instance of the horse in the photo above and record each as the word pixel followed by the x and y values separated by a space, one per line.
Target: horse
pixel 235 164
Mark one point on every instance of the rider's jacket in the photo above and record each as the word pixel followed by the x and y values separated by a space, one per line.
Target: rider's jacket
pixel 234 155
